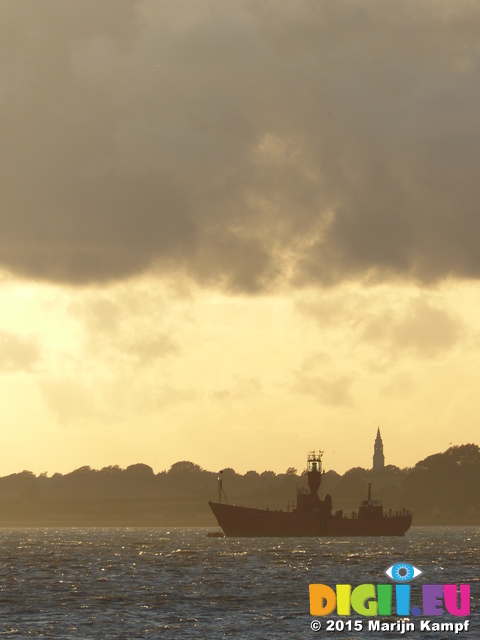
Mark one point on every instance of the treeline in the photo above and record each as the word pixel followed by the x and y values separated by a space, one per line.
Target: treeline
pixel 441 489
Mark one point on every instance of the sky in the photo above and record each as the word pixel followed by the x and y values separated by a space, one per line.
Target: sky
pixel 232 233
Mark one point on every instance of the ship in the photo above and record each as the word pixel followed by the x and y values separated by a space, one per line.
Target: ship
pixel 308 515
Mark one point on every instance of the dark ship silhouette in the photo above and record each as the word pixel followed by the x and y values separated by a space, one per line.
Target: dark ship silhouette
pixel 310 516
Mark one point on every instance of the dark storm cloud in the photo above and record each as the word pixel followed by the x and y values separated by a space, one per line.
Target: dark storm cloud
pixel 240 143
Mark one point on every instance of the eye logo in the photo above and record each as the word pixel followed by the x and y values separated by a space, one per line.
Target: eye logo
pixel 403 572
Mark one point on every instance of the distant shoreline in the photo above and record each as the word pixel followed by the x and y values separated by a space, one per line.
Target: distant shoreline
pixel 441 490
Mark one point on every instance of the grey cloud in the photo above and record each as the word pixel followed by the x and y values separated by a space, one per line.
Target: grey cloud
pixel 242 144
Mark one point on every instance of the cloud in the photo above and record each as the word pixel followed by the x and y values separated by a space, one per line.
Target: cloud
pixel 400 385
pixel 69 399
pixel 317 377
pixel 127 325
pixel 108 401
pixel 243 144
pixel 423 329
pixel 150 349
pixel 332 391
pixel 395 323
pixel 17 353
pixel 240 389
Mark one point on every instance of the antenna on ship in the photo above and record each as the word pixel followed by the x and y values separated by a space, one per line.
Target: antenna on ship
pixel 220 489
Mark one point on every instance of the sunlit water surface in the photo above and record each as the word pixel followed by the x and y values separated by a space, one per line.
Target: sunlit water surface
pixel 177 583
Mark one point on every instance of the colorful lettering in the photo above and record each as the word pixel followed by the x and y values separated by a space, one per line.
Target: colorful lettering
pixel 372 600
pixel 432 599
pixel 343 599
pixel 402 596
pixel 384 595
pixel 450 595
pixel 363 600
pixel 322 600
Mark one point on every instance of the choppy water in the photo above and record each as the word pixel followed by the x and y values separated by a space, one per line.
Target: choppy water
pixel 177 583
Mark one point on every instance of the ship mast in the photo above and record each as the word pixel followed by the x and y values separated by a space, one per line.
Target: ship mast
pixel 219 486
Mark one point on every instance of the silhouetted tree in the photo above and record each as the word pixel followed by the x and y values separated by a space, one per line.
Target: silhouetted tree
pixel 185 467
pixel 140 469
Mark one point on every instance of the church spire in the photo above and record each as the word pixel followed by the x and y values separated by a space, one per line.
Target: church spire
pixel 378 457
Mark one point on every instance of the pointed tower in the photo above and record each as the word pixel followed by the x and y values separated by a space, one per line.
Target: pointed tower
pixel 378 457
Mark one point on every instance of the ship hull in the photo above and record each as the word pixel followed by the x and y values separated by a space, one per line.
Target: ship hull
pixel 237 521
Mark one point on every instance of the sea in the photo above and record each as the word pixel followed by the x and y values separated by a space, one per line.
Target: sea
pixel 178 583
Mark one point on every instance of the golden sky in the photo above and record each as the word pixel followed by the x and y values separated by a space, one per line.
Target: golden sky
pixel 234 232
